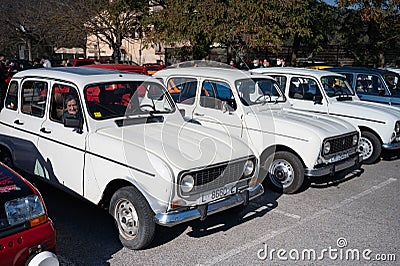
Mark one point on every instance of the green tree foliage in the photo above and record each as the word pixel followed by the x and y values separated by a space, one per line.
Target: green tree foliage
pixel 242 25
pixel 201 23
pixel 370 28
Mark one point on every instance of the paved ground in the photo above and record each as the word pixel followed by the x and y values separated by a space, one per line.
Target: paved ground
pixel 329 223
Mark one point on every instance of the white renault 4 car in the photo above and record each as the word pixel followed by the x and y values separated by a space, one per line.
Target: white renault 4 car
pixel 118 140
pixel 323 92
pixel 291 144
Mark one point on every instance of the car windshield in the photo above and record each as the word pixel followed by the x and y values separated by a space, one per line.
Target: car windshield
pixel 119 99
pixel 259 91
pixel 336 86
pixel 393 82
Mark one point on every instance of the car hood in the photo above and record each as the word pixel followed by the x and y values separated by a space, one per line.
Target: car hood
pixel 181 146
pixel 301 123
pixel 364 109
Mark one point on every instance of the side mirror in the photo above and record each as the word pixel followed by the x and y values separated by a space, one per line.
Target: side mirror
pixel 74 123
pixel 183 112
pixel 317 99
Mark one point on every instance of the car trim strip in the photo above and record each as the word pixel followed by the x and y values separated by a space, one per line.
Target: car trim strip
pixel 79 149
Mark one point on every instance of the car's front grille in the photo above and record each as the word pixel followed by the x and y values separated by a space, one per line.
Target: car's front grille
pixel 216 176
pixel 341 144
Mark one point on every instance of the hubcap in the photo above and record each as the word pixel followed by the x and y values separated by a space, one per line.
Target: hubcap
pixel 281 173
pixel 366 148
pixel 127 218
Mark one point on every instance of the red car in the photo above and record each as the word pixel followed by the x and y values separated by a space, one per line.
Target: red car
pixel 153 68
pixel 120 67
pixel 27 235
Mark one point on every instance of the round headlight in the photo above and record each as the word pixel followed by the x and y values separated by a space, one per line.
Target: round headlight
pixel 248 168
pixel 187 183
pixel 327 147
pixel 355 140
pixel 397 127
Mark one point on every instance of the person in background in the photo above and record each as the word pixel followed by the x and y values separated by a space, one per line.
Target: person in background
pixel 265 63
pixel 45 62
pixel 256 63
pixel 36 63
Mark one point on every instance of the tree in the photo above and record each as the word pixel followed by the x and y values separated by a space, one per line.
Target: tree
pixel 112 21
pixel 374 24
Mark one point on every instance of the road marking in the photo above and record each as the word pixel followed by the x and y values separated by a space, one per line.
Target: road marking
pixel 273 233
pixel 270 208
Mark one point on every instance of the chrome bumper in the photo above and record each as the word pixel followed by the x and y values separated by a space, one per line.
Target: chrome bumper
pixel 202 211
pixel 391 146
pixel 331 169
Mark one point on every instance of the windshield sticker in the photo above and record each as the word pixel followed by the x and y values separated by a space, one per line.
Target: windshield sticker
pixel 7 184
pixel 97 114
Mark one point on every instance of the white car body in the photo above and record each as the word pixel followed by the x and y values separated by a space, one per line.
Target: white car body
pixel 151 152
pixel 381 120
pixel 267 127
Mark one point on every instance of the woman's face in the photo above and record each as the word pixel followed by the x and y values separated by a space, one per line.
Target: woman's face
pixel 72 107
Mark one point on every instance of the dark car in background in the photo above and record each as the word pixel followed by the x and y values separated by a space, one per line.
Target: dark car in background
pixel 372 84
pixel 27 235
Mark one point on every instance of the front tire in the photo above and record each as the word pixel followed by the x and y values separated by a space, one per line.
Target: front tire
pixel 133 217
pixel 370 147
pixel 286 172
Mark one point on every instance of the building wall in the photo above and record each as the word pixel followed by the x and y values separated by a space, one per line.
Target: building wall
pixel 132 50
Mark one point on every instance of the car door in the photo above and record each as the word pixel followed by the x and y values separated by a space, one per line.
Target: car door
pixel 216 107
pixel 63 148
pixel 304 93
pixel 24 115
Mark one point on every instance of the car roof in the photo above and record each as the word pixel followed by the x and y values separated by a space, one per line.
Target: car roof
pixel 294 70
pixel 361 70
pixel 215 72
pixel 80 75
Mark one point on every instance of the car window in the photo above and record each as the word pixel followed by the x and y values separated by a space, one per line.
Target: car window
pixel 281 81
pixel 393 82
pixel 119 99
pixel 217 95
pixel 182 90
pixel 370 84
pixel 34 95
pixel 349 77
pixel 258 91
pixel 336 86
pixel 11 101
pixel 60 94
pixel 303 88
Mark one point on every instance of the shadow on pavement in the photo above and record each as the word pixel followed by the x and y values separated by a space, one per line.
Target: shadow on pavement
pixel 224 221
pixel 86 234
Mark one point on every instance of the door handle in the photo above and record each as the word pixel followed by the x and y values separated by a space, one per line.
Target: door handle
pixel 198 114
pixel 45 131
pixel 18 122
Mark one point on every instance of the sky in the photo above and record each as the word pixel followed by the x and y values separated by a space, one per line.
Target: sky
pixel 331 2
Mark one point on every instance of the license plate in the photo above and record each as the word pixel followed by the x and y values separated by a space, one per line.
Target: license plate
pixel 340 157
pixel 218 193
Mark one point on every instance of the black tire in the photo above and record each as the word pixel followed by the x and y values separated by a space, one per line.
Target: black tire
pixel 285 172
pixel 6 158
pixel 133 217
pixel 370 147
